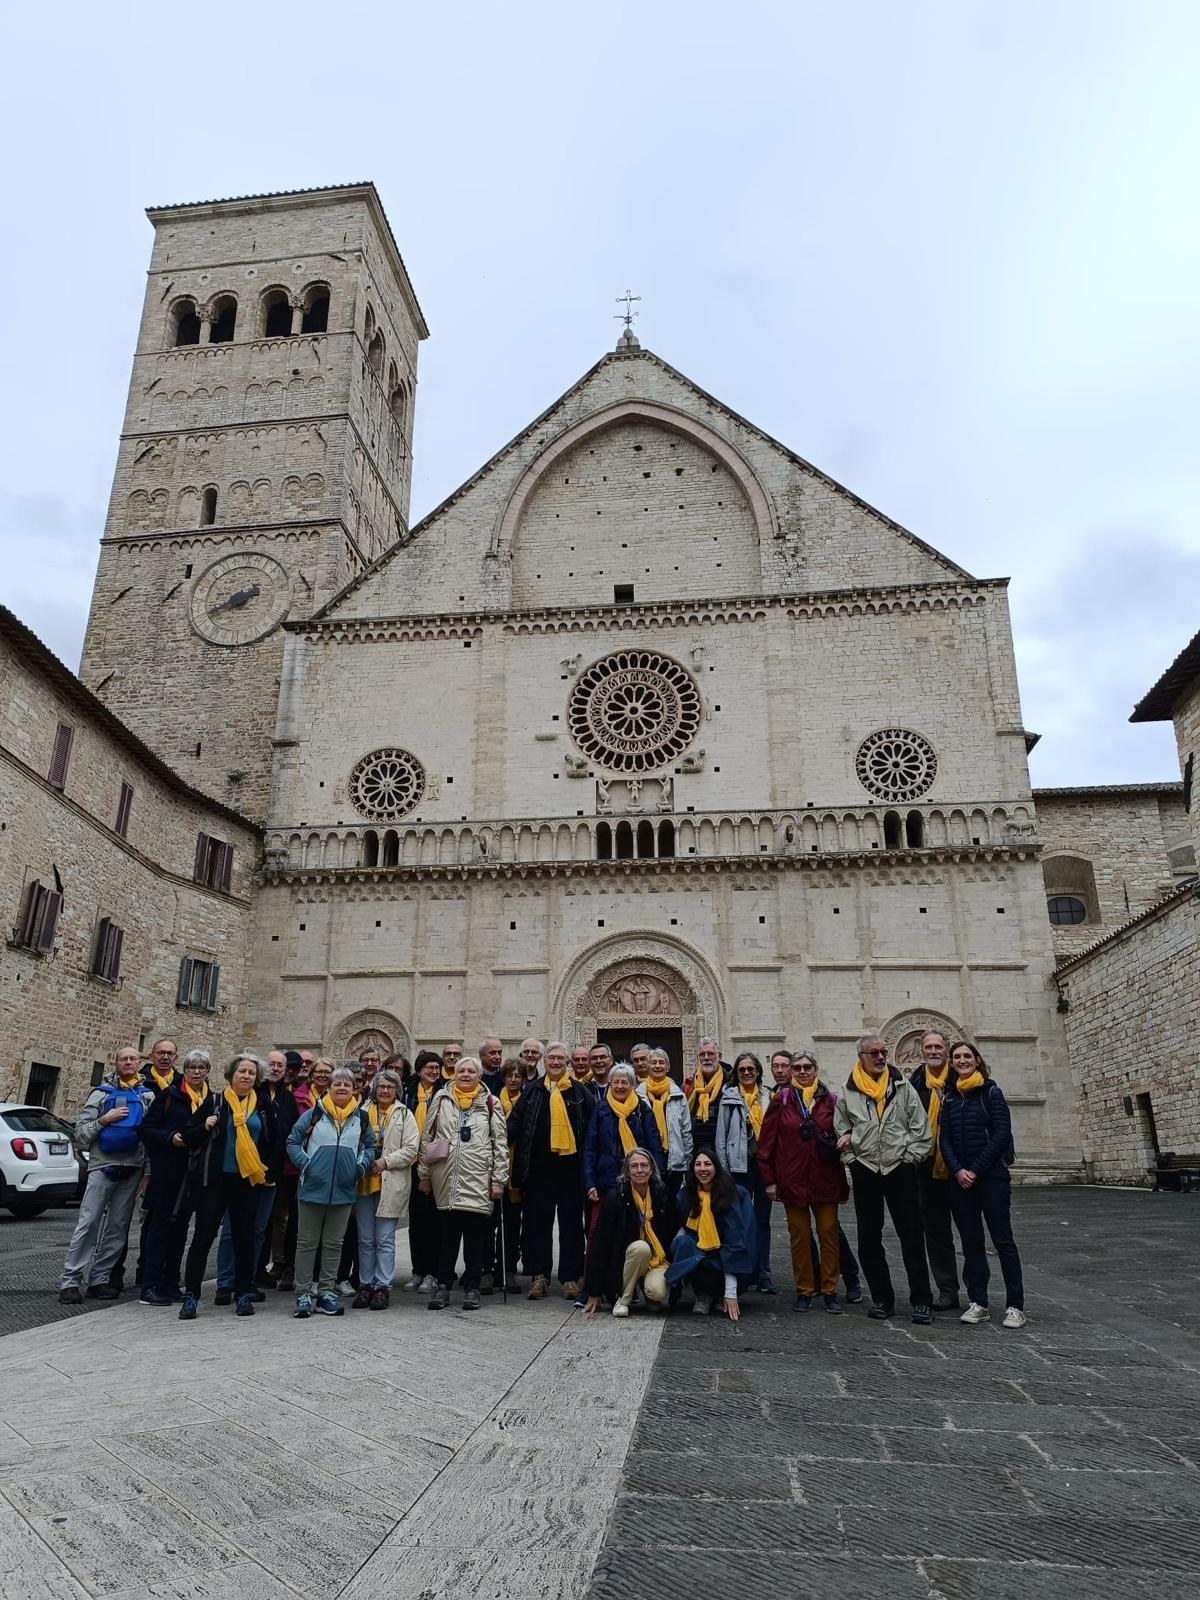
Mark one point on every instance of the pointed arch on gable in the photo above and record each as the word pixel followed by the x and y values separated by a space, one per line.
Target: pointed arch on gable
pixel 647 411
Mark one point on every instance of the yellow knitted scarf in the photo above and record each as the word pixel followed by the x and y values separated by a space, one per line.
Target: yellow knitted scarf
pixel 658 1092
pixel 704 1096
pixel 936 1084
pixel 623 1110
pixel 372 1182
pixel 658 1256
pixel 973 1080
pixel 754 1109
pixel 562 1135
pixel 447 1072
pixel 809 1094
pixel 874 1088
pixel 584 1075
pixel 163 1080
pixel 423 1093
pixel 342 1117
pixel 250 1163
pixel 703 1224
pixel 196 1096
pixel 464 1099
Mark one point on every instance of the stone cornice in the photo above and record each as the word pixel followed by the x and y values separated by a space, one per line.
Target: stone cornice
pixel 227 533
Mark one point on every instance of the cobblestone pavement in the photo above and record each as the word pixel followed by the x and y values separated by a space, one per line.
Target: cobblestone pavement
pixel 807 1454
pixel 31 1258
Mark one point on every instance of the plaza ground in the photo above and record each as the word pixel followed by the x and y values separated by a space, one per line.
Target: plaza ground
pixel 522 1451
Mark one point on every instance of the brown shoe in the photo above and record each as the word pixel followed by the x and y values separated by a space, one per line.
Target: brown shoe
pixel 361 1301
pixel 538 1289
pixel 70 1297
pixel 571 1291
pixel 380 1299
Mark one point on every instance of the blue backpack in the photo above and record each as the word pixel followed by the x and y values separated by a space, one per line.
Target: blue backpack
pixel 122 1138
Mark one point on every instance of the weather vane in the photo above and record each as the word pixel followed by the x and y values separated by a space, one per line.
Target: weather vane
pixel 627 299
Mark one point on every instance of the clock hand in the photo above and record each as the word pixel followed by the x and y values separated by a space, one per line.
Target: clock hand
pixel 236 601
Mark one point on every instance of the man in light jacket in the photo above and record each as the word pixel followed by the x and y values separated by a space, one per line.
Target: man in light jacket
pixel 883 1134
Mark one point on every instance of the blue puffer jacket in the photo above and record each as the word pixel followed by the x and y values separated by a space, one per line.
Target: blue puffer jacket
pixel 602 1151
pixel 738 1252
pixel 330 1160
pixel 975 1131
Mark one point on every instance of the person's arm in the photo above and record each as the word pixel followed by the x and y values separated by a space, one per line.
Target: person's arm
pixel 295 1144
pixel 920 1138
pixel 87 1125
pixel 732 1309
pixel 397 1160
pixel 999 1129
pixel 367 1146
pixel 589 1155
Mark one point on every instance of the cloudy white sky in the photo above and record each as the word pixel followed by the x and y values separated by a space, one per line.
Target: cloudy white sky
pixel 947 252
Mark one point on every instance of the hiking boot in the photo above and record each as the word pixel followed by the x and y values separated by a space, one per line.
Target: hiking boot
pixel 223 1297
pixel 189 1308
pixel 362 1300
pixel 853 1292
pixel 380 1299
pixel 947 1301
pixel 975 1313
pixel 538 1288
pixel 922 1314
pixel 330 1306
pixel 439 1299
pixel 304 1306
pixel 702 1305
pixel 154 1297
pixel 802 1302
pixel 1014 1317
pixel 880 1311
pixel 70 1296
pixel 487 1284
pixel 103 1291
pixel 570 1290
pixel 245 1305
pixel 832 1303
pixel 620 1309
pixel 471 1300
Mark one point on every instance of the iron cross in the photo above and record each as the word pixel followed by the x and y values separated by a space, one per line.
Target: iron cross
pixel 627 316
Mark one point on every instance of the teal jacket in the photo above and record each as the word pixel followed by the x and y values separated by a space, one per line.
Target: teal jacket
pixel 330 1162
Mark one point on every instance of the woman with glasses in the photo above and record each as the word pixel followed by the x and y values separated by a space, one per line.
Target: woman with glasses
pixel 383 1190
pixel 424 1225
pixel 799 1163
pixel 801 1071
pixel 739 1128
pixel 332 1145
pixel 464 1164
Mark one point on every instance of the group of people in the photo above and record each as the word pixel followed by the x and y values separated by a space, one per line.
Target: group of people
pixel 301 1171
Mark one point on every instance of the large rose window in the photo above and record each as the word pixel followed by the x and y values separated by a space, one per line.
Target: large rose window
pixel 386 784
pixel 896 764
pixel 634 711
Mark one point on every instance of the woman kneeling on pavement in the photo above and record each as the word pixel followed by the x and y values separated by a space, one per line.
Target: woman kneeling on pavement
pixel 637 1220
pixel 383 1190
pixel 464 1161
pixel 332 1145
pixel 716 1248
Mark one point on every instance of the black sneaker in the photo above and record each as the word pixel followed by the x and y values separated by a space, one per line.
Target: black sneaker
pixel 223 1297
pixel 70 1296
pixel 832 1303
pixel 439 1299
pixel 189 1308
pixel 853 1293
pixel 765 1286
pixel 802 1302
pixel 922 1314
pixel 947 1302
pixel 154 1297
pixel 471 1300
pixel 245 1305
pixel 286 1284
pixel 103 1291
pixel 880 1312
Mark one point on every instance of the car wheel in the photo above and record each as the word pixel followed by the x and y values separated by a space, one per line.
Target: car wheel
pixel 26 1209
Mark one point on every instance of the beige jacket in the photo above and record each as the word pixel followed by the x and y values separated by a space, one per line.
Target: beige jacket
pixel 463 1182
pixel 900 1138
pixel 399 1152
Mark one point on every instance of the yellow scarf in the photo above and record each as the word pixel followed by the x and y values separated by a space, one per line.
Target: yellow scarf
pixel 162 1080
pixel 508 1101
pixel 658 1093
pixel 754 1109
pixel 464 1099
pixel 249 1161
pixel 704 1226
pixel 342 1117
pixel 196 1096
pixel 129 1083
pixel 973 1080
pixel 936 1085
pixel 809 1094
pixel 447 1073
pixel 423 1093
pixel 562 1135
pixel 658 1256
pixel 584 1076
pixel 623 1110
pixel 372 1182
pixel 704 1096
pixel 874 1088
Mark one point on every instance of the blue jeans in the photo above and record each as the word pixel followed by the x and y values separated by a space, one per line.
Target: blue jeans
pixel 262 1217
pixel 376 1244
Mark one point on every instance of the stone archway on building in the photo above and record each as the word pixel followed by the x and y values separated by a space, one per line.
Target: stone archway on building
pixel 903 1034
pixel 634 984
pixel 361 1028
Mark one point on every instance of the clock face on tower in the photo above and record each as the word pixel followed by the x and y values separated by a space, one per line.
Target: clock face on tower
pixel 240 599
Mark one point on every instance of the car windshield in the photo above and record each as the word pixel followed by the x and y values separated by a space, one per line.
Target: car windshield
pixel 32 1119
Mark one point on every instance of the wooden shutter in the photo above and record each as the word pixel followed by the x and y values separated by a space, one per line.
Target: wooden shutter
pixel 116 938
pixel 226 867
pixel 124 804
pixel 61 757
pixel 101 947
pixel 183 993
pixel 210 987
pixel 45 938
pixel 201 858
pixel 29 909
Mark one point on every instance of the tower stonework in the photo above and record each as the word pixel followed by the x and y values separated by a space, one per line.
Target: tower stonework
pixel 265 460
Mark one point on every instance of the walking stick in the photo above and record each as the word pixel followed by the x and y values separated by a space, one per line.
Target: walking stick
pixel 503 1264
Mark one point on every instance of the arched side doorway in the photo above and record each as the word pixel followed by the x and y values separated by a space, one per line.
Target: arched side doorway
pixel 380 1028
pixel 641 987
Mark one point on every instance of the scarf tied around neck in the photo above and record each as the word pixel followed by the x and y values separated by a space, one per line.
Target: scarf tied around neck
pixel 249 1163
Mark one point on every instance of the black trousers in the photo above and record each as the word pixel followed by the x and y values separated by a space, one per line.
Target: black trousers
pixel 470 1229
pixel 424 1232
pixel 348 1262
pixel 709 1281
pixel 165 1195
pixel 898 1191
pixel 554 1187
pixel 506 1219
pixel 231 1192
pixel 934 1194
pixel 990 1201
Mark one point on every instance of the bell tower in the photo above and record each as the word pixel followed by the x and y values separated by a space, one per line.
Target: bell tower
pixel 264 461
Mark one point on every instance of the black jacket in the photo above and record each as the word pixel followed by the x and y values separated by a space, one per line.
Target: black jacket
pixel 271 1148
pixel 529 1126
pixel 283 1102
pixel 975 1131
pixel 618 1224
pixel 172 1114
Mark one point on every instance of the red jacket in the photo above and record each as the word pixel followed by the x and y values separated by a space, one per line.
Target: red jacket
pixel 788 1154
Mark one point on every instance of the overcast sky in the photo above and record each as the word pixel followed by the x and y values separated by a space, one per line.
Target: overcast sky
pixel 949 253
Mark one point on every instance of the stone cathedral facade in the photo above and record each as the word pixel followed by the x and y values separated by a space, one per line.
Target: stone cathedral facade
pixel 650 730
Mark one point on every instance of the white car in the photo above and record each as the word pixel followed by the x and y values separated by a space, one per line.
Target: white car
pixel 38 1166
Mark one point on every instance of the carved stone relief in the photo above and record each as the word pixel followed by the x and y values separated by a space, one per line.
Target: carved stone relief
pixel 904 1032
pixel 380 1028
pixel 634 796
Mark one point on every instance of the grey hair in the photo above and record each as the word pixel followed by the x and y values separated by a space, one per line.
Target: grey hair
pixel 716 1044
pixel 805 1054
pixel 342 1075
pixel 660 1055
pixel 868 1038
pixel 638 1151
pixel 469 1061
pixel 640 1045
pixel 387 1075
pixel 352 1066
pixel 196 1058
pixel 525 1042
pixel 244 1055
pixel 491 1038
pixel 623 1070
pixel 556 1044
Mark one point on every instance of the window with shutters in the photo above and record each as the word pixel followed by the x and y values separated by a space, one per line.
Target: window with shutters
pixel 43 1085
pixel 106 954
pixel 38 918
pixel 59 761
pixel 214 863
pixel 198 982
pixel 124 803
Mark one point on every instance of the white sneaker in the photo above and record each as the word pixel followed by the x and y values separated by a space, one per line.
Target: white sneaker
pixel 428 1284
pixel 620 1309
pixel 702 1306
pixel 345 1288
pixel 412 1283
pixel 974 1313
pixel 1014 1318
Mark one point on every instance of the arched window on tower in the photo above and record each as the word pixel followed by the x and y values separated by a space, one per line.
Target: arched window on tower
pixel 645 839
pixel 666 837
pixel 223 320
pixel 316 309
pixel 276 314
pixel 914 830
pixel 604 842
pixel 891 830
pixel 185 324
pixel 398 405
pixel 376 351
pixel 208 507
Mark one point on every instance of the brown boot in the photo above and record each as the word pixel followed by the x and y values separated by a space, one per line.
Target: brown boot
pixel 538 1289
pixel 362 1300
pixel 380 1299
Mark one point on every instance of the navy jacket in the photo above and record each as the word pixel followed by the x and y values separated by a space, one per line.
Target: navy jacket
pixel 172 1114
pixel 602 1151
pixel 739 1243
pixel 975 1131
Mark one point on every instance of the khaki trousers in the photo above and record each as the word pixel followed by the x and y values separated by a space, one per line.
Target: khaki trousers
pixel 825 1219
pixel 638 1270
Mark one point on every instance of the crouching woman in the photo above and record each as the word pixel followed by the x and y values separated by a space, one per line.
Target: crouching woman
pixel 637 1220
pixel 717 1245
